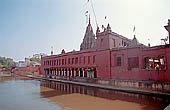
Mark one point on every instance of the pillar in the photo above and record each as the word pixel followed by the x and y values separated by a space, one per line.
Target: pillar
pixel 62 72
pixel 79 72
pixel 65 72
pixel 71 72
pixel 83 72
pixel 52 72
pixel 58 72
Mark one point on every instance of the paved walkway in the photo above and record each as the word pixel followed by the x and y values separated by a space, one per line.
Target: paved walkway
pixel 123 89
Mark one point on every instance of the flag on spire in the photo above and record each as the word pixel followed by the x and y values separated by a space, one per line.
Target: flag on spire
pixel 86 12
pixel 86 19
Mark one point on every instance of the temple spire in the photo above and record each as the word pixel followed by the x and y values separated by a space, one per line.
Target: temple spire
pixel 89 38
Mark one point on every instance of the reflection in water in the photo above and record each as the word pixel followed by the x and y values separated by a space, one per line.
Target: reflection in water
pixel 85 102
pixel 20 93
pixel 147 102
pixel 3 79
pixel 16 94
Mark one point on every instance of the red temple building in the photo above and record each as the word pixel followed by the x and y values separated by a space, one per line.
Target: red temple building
pixel 108 55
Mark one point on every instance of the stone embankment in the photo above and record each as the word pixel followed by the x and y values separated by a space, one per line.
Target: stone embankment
pixel 123 89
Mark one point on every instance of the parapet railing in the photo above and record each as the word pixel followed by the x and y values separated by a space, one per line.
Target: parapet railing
pixel 148 84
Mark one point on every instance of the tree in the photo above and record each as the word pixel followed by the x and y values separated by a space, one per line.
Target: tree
pixel 7 63
pixel 1 65
pixel 35 59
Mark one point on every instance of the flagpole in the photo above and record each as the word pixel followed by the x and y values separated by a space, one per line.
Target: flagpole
pixel 134 30
pixel 105 20
pixel 86 16
pixel 94 12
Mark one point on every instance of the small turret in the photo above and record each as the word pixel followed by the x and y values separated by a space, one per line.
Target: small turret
pixel 97 31
pixel 134 41
pixel 51 50
pixel 108 27
pixel 63 51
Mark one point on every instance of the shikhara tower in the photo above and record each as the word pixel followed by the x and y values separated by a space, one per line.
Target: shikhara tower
pixel 89 38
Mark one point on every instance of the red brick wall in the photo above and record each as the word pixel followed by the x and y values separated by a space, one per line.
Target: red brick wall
pixel 106 65
pixel 28 70
pixel 122 72
pixel 5 72
pixel 103 64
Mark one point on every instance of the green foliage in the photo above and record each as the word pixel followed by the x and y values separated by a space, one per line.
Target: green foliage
pixel 1 65
pixel 35 59
pixel 7 63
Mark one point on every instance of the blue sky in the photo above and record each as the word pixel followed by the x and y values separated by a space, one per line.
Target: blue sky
pixel 33 26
